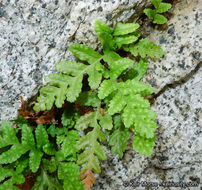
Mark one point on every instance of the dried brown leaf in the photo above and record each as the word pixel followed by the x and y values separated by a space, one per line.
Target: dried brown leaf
pixel 39 117
pixel 87 178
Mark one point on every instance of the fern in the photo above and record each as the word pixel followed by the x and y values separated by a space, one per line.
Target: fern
pixel 134 109
pixel 17 150
pixel 44 181
pixel 145 48
pixel 69 172
pixel 159 8
pixel 118 141
pixel 111 99
pixel 68 85
pixel 89 143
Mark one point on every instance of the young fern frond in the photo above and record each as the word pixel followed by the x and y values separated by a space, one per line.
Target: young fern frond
pixel 69 173
pixel 159 8
pixel 114 103
pixel 145 48
pixel 135 111
pixel 68 83
pixel 17 150
pixel 118 140
pixel 89 142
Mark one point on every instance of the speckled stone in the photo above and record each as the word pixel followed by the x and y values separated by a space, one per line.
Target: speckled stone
pixel 177 154
pixel 34 35
pixel 182 42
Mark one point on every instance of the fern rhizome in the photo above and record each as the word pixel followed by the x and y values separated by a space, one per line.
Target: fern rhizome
pixel 108 86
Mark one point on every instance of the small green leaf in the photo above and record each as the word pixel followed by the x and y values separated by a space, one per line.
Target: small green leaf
pixel 122 29
pixel 94 76
pixel 138 71
pixel 75 88
pixel 4 173
pixel 85 121
pixel 69 172
pixel 160 19
pixel 156 3
pixel 21 165
pixel 118 140
pixel 35 160
pixel 52 130
pixel 15 152
pixel 119 66
pixel 69 67
pixel 92 150
pixel 85 53
pixel 150 13
pixel 69 143
pixel 50 166
pixel 146 48
pixel 163 7
pixel 88 98
pixel 18 178
pixel 116 104
pixel 49 149
pixel 143 146
pixel 41 136
pixel 101 27
pixel 67 117
pixel 44 181
pixel 106 88
pixel 27 137
pixel 106 122
pixel 9 135
pixel 127 39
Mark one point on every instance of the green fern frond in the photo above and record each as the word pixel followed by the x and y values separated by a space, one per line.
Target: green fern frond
pixel 138 70
pixel 68 85
pixel 28 137
pixel 118 140
pixel 50 165
pixel 45 181
pixel 11 155
pixel 88 98
pixel 89 142
pixel 9 135
pixel 69 143
pixel 128 101
pixel 146 48
pixel 41 136
pixel 92 150
pixel 122 29
pixel 117 64
pixel 143 145
pixel 35 160
pixel 69 173
pixel 91 120
pixel 126 39
pixel 15 177
pixel 159 8
pixel 104 34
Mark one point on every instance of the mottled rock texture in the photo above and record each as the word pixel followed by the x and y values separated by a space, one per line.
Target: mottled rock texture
pixel 34 35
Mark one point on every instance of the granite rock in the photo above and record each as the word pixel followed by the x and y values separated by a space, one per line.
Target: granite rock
pixel 182 42
pixel 34 35
pixel 177 80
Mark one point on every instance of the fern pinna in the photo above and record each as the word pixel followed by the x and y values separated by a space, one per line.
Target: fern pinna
pixel 107 83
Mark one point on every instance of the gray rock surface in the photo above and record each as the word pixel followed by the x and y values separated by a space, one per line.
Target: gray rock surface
pixel 177 80
pixel 34 35
pixel 182 42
